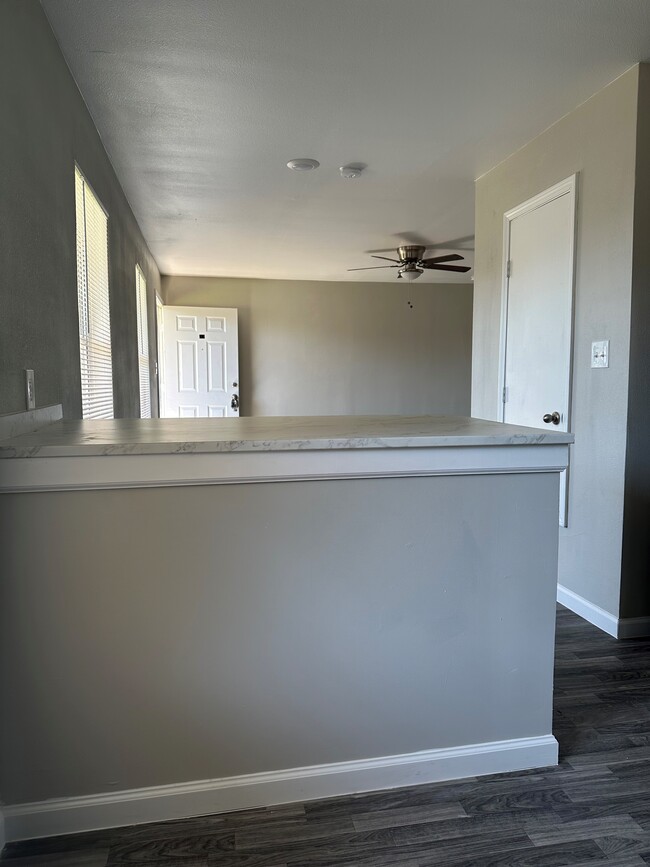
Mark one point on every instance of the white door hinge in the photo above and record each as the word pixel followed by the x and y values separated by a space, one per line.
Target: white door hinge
pixel 504 396
pixel 508 267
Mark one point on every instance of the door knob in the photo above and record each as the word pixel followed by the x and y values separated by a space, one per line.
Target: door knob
pixel 234 403
pixel 551 417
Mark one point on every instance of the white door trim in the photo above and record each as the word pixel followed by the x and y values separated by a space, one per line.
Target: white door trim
pixel 568 185
pixel 160 355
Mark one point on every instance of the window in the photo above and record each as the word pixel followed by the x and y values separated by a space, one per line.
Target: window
pixel 143 343
pixel 94 309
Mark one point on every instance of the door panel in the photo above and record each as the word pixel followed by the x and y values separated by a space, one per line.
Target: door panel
pixel 201 355
pixel 186 323
pixel 216 365
pixel 187 369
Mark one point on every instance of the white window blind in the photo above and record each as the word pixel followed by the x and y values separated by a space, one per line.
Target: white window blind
pixel 143 343
pixel 94 309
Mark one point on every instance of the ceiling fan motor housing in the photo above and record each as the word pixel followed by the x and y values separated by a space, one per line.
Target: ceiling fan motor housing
pixel 411 253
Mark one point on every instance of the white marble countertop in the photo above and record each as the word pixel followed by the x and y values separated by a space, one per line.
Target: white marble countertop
pixel 268 433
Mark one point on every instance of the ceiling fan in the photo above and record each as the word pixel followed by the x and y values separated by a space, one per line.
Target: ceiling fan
pixel 411 263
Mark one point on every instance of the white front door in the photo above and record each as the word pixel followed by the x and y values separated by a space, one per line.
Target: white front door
pixel 201 378
pixel 539 313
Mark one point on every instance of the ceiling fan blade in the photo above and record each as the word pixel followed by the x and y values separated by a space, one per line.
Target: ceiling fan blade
pixel 389 259
pixel 374 267
pixel 452 257
pixel 461 269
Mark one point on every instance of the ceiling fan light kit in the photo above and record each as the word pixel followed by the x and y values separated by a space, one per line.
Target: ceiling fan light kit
pixel 411 263
pixel 410 272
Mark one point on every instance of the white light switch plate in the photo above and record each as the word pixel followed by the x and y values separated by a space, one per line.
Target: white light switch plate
pixel 600 353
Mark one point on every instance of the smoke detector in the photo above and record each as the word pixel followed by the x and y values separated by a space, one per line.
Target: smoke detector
pixel 303 165
pixel 351 171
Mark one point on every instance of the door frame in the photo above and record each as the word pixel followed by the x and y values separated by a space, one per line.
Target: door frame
pixel 160 356
pixel 567 186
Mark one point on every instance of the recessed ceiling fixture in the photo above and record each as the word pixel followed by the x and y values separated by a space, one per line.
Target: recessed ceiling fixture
pixel 303 165
pixel 412 264
pixel 351 171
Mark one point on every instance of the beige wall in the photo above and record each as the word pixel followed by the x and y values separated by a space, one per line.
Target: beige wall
pixel 311 348
pixel 46 129
pixel 174 634
pixel 635 590
pixel 597 140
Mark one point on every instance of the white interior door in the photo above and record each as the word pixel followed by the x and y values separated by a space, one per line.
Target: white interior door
pixel 539 313
pixel 201 362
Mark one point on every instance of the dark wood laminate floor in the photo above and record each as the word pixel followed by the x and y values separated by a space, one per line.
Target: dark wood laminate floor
pixel 594 808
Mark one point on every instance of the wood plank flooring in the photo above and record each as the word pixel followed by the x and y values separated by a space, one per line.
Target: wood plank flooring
pixel 594 808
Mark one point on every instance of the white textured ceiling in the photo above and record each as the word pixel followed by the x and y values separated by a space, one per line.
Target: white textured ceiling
pixel 200 103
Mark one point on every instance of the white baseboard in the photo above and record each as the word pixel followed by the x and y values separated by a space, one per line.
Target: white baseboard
pixel 624 627
pixel 159 803
pixel 588 611
pixel 634 627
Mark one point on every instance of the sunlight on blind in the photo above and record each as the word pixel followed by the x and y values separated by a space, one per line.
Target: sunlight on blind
pixel 143 343
pixel 94 309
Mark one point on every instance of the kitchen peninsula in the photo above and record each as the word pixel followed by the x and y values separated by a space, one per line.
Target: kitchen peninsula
pixel 239 612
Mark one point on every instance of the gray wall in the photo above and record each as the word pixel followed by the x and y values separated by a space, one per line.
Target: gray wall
pixel 45 129
pixel 598 140
pixel 313 348
pixel 635 588
pixel 175 634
